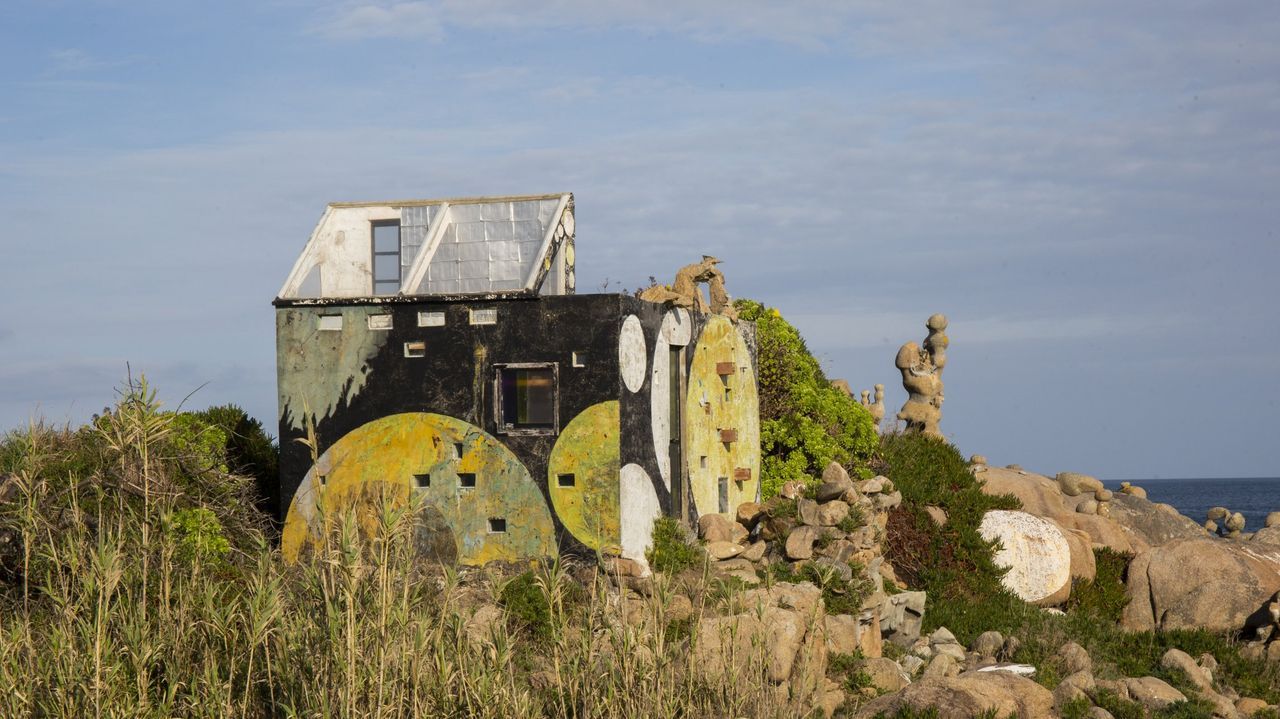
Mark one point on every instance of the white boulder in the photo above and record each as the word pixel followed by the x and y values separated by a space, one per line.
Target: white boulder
pixel 1036 552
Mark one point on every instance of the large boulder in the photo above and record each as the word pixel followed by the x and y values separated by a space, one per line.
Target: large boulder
pixel 1154 523
pixel 1042 497
pixel 971 694
pixel 1036 553
pixel 1200 583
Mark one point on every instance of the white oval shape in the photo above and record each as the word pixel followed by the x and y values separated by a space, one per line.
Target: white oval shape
pixel 676 331
pixel 631 353
pixel 638 502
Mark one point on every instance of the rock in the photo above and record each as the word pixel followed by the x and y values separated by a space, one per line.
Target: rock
pixel 1267 535
pixel 953 650
pixel 754 552
pixel 840 550
pixel 1074 484
pixel 887 500
pixel 1040 496
pixel 1084 564
pixel 748 514
pixel 1210 526
pixel 1273 520
pixel 1169 587
pixel 1072 687
pixel 1103 495
pixel 937 514
pixel 1179 661
pixel 679 608
pixel 885 674
pixel 874 485
pixel 1104 509
pixel 624 567
pixel 1088 506
pixel 715 528
pixel 977 459
pixel 481 625
pixel 828 491
pixel 835 473
pixel 988 644
pixel 844 633
pixel 1011 646
pixel 832 698
pixel 1036 552
pixel 971 694
pixel 1249 706
pixel 832 513
pixel 1133 490
pixel 723 549
pixel 1074 659
pixel 800 542
pixel 1153 693
pixel 1218 513
pixel 1150 521
pixel 791 490
pixel 1014 467
pixel 1235 523
pixel 912 664
pixel 901 616
pixel 1099 713
pixel 942 665
pixel 807 511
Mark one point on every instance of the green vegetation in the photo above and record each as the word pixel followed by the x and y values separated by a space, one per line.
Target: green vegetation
pixel 805 423
pixel 672 551
pixel 136 579
pixel 840 596
pixel 1104 596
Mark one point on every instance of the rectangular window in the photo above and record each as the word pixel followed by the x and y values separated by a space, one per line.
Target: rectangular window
pixel 723 492
pixel 579 359
pixel 467 479
pixel 415 349
pixel 484 316
pixel 386 257
pixel 566 480
pixel 457 450
pixel 379 322
pixel 431 319
pixel 525 398
pixel 422 480
pixel 330 323
pixel 497 525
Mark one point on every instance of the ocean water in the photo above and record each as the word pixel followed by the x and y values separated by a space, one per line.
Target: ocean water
pixel 1253 497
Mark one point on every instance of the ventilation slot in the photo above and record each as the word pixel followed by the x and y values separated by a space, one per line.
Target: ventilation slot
pixel 466 479
pixel 497 525
pixel 566 480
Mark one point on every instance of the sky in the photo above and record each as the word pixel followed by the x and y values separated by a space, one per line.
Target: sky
pixel 1088 190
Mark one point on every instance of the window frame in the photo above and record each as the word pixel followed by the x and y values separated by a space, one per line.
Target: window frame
pixel 499 423
pixel 375 254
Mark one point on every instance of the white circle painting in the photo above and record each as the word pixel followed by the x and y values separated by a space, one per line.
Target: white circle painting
pixel 631 353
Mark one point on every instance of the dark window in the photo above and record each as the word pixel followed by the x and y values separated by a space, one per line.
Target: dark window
pixel 526 398
pixel 457 450
pixel 423 480
pixel 386 257
pixel 724 494
pixel 497 525
pixel 466 479
pixel 566 480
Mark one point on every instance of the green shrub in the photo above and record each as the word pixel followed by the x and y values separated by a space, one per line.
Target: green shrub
pixel 805 423
pixel 953 563
pixel 199 535
pixel 671 551
pixel 527 604
pixel 1104 596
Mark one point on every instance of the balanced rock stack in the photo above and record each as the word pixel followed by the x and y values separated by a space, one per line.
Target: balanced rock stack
pixel 1224 522
pixel 1097 498
pixel 834 529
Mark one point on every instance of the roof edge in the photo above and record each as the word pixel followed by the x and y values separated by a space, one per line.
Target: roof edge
pixel 451 200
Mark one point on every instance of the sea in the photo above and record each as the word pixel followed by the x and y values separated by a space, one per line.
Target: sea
pixel 1254 497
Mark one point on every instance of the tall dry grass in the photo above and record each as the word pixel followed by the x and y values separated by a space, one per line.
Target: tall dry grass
pixel 133 585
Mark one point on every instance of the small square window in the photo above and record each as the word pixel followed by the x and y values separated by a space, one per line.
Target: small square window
pixel 487 316
pixel 431 319
pixel 457 450
pixel 330 323
pixel 422 480
pixel 497 525
pixel 579 359
pixel 321 479
pixel 525 398
pixel 566 480
pixel 380 322
pixel 415 349
pixel 466 480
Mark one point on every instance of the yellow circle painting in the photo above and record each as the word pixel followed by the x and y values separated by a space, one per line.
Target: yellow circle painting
pixel 467 478
pixel 582 476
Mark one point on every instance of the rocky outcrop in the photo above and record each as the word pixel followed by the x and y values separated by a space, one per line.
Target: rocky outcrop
pixel 1036 553
pixel 1154 523
pixel 970 694
pixel 1200 583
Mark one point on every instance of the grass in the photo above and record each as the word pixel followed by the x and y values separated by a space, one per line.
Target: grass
pixel 133 585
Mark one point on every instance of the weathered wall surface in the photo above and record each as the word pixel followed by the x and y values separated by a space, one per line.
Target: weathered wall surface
pixel 398 416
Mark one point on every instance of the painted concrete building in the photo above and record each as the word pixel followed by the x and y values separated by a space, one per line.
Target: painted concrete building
pixel 438 347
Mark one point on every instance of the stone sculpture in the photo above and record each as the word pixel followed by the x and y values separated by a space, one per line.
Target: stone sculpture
pixel 921 368
pixel 876 408
pixel 684 292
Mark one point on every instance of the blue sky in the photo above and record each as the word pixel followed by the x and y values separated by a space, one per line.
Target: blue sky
pixel 1086 189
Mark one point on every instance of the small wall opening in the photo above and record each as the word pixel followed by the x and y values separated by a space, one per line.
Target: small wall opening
pixel 457 450
pixel 579 359
pixel 380 322
pixel 329 323
pixel 321 478
pixel 497 525
pixel 431 319
pixel 466 479
pixel 723 486
pixel 487 316
pixel 422 480
pixel 566 480
pixel 415 349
